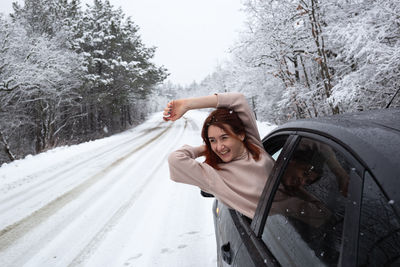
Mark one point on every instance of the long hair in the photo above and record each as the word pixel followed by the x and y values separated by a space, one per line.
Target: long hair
pixel 220 118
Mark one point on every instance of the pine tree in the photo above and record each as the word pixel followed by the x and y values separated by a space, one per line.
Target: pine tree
pixel 118 66
pixel 66 74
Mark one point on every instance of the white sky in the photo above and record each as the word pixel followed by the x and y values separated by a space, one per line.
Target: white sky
pixel 191 36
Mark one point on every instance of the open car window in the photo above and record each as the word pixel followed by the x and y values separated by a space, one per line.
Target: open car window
pixel 274 145
pixel 305 222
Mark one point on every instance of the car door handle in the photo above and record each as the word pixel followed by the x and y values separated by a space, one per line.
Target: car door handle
pixel 226 253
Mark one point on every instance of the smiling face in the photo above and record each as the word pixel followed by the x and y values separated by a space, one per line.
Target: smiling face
pixel 226 146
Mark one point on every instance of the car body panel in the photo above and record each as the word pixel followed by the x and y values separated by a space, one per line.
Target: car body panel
pixel 228 231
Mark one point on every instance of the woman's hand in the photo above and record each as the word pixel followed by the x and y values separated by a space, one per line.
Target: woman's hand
pixel 202 150
pixel 174 110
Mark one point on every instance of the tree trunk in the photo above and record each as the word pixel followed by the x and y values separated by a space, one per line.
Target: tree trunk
pixel 254 107
pixel 7 149
pixel 322 58
pixel 296 69
pixel 391 100
pixel 305 72
pixel 38 127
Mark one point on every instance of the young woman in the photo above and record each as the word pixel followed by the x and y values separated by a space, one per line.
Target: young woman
pixel 236 167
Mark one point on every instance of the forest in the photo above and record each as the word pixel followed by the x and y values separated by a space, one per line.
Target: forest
pixel 69 75
pixel 309 58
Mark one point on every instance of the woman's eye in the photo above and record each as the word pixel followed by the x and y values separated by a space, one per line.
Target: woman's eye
pixel 212 140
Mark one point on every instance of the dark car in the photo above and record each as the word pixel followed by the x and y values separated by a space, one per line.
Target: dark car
pixel 333 197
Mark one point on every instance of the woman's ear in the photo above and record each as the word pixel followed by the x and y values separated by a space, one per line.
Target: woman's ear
pixel 242 136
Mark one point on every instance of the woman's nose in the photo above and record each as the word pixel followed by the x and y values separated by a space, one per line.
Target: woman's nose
pixel 220 146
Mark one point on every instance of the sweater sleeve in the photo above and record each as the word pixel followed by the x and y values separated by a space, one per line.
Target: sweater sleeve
pixel 238 103
pixel 184 168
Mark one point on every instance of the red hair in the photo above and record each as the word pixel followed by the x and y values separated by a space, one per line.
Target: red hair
pixel 222 118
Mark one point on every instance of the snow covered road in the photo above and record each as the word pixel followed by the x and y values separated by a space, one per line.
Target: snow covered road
pixel 108 202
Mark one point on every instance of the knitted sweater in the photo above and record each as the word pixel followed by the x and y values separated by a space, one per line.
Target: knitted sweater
pixel 238 183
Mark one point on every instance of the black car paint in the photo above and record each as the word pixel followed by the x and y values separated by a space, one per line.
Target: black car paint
pixel 228 231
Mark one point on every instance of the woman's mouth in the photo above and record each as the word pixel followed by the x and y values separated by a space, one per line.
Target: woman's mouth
pixel 223 152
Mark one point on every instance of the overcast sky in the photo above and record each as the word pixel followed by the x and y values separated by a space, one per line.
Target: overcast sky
pixel 191 36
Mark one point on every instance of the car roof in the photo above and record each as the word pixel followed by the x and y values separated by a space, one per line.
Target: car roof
pixel 373 137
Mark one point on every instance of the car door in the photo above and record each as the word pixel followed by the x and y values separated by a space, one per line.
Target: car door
pixel 228 233
pixel 233 229
pixel 311 221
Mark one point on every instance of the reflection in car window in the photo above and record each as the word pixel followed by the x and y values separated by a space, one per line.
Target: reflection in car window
pixel 305 222
pixel 379 238
pixel 276 154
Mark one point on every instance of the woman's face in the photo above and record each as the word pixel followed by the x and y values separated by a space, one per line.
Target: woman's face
pixel 224 145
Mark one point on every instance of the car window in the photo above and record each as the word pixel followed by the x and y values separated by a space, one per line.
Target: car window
pixel 379 237
pixel 305 222
pixel 274 145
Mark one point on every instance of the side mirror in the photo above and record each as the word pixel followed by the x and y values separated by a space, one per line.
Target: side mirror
pixel 205 194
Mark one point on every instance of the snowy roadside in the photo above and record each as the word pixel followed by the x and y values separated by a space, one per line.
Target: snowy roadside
pixel 264 128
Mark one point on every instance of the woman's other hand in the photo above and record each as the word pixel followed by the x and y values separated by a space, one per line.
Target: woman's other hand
pixel 174 110
pixel 202 150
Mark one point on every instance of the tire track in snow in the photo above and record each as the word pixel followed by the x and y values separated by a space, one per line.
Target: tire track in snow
pixel 11 233
pixel 109 225
pixel 193 125
pixel 35 189
pixel 65 167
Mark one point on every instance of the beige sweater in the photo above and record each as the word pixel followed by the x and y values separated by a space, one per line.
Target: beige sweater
pixel 238 183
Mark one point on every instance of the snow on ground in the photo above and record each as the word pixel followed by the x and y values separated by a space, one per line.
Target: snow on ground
pixel 108 202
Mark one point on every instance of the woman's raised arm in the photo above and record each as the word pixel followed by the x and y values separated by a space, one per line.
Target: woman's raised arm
pixel 177 108
pixel 238 103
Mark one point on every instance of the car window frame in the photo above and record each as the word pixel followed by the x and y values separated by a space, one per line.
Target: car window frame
pixel 349 247
pixel 271 185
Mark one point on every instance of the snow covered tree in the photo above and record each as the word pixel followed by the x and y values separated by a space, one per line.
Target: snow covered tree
pixel 47 17
pixel 365 36
pixel 39 82
pixel 119 70
pixel 65 75
pixel 285 39
pixel 308 58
